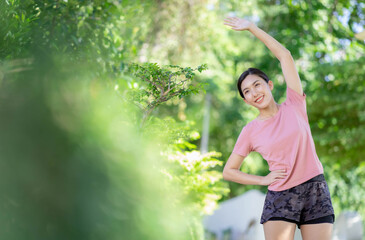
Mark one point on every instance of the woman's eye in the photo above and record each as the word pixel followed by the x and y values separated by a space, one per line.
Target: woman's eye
pixel 257 84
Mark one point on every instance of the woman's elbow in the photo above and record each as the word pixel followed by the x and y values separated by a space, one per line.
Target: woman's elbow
pixel 285 54
pixel 225 174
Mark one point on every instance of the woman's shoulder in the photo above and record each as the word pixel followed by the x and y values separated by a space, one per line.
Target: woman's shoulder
pixel 250 125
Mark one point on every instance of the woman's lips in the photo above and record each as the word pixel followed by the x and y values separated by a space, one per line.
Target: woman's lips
pixel 260 99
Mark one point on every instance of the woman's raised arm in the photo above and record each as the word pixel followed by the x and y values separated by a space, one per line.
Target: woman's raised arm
pixel 290 72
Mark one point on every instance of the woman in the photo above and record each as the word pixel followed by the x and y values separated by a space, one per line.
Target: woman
pixel 297 191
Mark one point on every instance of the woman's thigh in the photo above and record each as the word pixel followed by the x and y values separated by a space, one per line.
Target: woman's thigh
pixel 320 231
pixel 279 230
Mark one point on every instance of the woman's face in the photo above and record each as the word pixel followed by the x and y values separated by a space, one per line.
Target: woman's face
pixel 256 91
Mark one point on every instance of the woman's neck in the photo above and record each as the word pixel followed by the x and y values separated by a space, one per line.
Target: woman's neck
pixel 269 111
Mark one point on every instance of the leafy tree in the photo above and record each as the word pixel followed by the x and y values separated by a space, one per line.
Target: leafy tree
pixel 195 172
pixel 159 85
pixel 80 171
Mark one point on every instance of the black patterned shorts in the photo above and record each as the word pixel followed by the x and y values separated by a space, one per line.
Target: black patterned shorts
pixel 307 203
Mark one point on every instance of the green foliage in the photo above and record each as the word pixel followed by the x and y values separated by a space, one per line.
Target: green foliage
pixel 80 146
pixel 157 85
pixel 171 132
pixel 196 173
pixel 56 116
pixel 202 185
pixel 71 169
pixel 347 188
pixel 93 31
pixel 340 127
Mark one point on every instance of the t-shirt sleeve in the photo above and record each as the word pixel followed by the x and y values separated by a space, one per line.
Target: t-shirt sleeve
pixel 243 145
pixel 294 98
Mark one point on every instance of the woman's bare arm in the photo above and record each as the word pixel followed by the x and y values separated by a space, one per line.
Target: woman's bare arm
pixel 232 172
pixel 290 72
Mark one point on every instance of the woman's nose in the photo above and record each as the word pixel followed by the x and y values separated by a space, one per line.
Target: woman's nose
pixel 254 93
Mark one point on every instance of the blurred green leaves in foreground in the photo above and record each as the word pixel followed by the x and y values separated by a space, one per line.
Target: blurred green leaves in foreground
pixel 76 160
pixel 73 166
pixel 76 165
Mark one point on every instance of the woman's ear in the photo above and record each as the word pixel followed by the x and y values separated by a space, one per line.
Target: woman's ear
pixel 271 85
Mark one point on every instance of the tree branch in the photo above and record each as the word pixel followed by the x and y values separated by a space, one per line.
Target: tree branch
pixel 168 88
pixel 156 85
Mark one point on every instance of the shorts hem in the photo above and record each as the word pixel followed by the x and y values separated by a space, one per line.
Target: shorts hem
pixel 324 219
pixel 280 219
pixel 329 218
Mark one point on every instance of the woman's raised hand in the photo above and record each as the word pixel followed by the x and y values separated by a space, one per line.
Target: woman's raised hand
pixel 238 24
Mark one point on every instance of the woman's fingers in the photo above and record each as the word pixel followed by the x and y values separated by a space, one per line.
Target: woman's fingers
pixel 234 25
pixel 232 18
pixel 275 175
pixel 238 24
pixel 279 177
pixel 229 22
pixel 231 25
pixel 281 173
pixel 279 170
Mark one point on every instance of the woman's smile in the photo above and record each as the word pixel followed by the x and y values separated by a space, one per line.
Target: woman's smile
pixel 260 99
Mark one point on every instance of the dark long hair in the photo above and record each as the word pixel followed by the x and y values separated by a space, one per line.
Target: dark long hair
pixel 250 71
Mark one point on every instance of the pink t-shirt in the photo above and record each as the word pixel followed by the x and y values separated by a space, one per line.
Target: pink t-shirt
pixel 284 141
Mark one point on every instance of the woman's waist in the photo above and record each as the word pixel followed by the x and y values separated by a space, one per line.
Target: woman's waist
pixel 292 183
pixel 318 178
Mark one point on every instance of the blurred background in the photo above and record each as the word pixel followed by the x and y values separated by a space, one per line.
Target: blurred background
pixel 117 117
